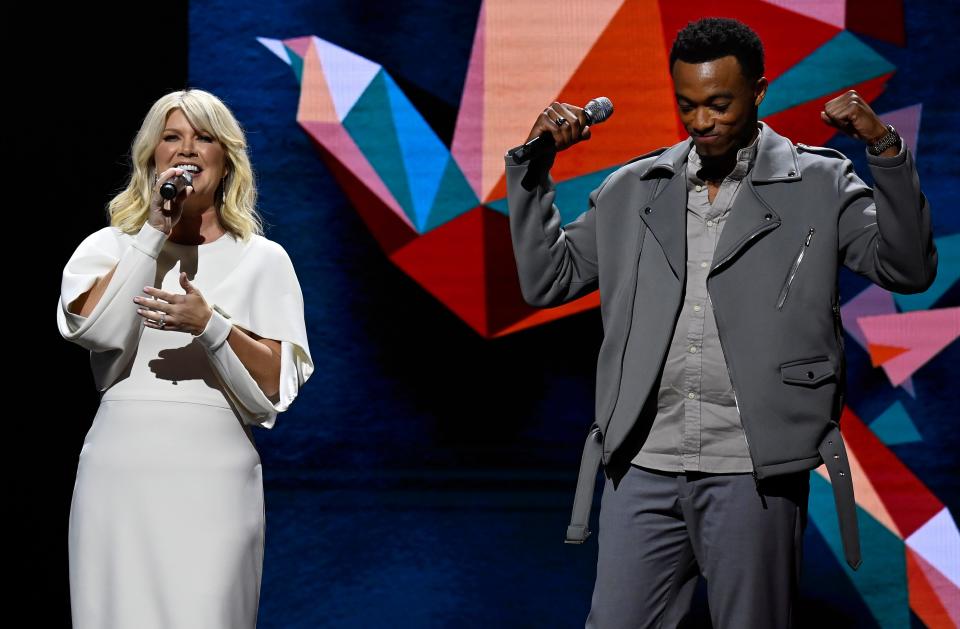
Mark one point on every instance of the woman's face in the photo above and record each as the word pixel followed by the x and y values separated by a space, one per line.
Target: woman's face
pixel 193 150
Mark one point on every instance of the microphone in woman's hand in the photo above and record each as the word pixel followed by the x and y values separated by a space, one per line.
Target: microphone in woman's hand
pixel 175 185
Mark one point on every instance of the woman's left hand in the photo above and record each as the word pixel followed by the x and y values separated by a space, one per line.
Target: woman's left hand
pixel 181 313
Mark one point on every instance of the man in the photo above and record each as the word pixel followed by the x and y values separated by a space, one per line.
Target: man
pixel 720 378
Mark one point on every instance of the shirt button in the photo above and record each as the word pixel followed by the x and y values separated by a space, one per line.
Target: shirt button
pixel 699 188
pixel 704 265
pixel 693 349
pixel 697 308
pixel 709 223
pixel 692 395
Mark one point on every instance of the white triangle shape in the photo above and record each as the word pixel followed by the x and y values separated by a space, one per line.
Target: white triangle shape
pixel 347 73
pixel 276 47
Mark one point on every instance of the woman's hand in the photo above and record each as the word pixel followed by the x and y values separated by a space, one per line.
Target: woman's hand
pixel 181 313
pixel 165 214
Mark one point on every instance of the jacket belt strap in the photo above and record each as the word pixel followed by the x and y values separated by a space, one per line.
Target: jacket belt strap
pixel 834 455
pixel 579 529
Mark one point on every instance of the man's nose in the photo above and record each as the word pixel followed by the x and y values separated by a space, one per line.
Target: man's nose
pixel 702 122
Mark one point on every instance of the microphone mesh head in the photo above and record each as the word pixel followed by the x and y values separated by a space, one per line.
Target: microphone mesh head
pixel 598 110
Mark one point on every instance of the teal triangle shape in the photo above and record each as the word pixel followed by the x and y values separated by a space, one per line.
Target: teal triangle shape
pixel 881 580
pixel 841 62
pixel 948 272
pixel 454 197
pixel 425 157
pixel 296 63
pixel 894 426
pixel 372 128
pixel 500 205
pixel 572 196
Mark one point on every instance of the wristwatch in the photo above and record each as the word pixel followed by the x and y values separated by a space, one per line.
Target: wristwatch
pixel 890 138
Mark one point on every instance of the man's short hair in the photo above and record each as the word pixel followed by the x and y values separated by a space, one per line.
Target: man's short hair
pixel 711 38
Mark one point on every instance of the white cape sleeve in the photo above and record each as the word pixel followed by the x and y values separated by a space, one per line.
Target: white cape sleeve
pixel 112 331
pixel 262 296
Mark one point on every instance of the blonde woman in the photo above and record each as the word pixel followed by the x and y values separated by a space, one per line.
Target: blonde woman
pixel 195 327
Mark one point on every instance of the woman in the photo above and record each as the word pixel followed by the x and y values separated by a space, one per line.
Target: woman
pixel 195 327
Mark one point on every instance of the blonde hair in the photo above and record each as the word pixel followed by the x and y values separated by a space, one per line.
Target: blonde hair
pixel 236 207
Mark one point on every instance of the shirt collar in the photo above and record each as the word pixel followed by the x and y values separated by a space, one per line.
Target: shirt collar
pixel 745 159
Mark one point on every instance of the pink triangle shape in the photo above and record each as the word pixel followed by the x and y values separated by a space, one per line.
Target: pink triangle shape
pixel 924 332
pixel 299 45
pixel 467 145
pixel 832 12
pixel 336 140
pixel 907 123
pixel 871 301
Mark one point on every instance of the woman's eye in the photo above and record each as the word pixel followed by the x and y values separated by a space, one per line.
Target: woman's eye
pixel 205 138
pixel 169 138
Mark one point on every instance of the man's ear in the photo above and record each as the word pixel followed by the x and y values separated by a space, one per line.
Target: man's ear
pixel 760 91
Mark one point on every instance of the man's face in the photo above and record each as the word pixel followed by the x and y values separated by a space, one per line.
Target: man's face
pixel 717 104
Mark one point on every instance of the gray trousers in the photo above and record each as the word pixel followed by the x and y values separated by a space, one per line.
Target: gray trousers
pixel 659 531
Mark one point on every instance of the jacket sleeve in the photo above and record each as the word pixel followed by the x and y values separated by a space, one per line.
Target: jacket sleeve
pixel 112 330
pixel 555 263
pixel 884 232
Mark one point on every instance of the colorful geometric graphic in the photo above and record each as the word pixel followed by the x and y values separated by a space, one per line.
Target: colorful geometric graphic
pixel 906 531
pixel 881 19
pixel 907 123
pixel 438 212
pixel 894 426
pixel 902 343
pixel 948 272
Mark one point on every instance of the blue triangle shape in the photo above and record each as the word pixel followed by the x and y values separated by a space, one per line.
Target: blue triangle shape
pixel 948 272
pixel 454 197
pixel 424 155
pixel 894 426
pixel 840 62
pixel 376 136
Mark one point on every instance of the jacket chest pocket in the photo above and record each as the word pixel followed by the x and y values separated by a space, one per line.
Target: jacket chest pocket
pixel 794 268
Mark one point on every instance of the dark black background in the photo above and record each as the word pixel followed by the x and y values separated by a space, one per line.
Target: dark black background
pixel 78 82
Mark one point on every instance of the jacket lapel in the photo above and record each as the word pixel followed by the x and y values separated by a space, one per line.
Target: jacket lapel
pixel 751 216
pixel 665 216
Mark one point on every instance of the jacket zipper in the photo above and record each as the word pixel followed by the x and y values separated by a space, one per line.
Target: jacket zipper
pixel 733 386
pixel 727 257
pixel 838 332
pixel 793 270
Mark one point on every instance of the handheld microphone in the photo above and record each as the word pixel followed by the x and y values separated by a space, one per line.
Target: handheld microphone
pixel 175 185
pixel 596 111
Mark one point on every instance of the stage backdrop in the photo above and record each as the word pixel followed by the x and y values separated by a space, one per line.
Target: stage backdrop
pixel 424 477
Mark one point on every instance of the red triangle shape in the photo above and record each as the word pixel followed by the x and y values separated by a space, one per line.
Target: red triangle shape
pixel 907 499
pixel 880 354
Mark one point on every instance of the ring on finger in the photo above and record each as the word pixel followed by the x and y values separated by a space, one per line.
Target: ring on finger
pixel 163 320
pixel 561 121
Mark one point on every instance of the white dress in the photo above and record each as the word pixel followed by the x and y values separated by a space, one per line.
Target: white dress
pixel 167 518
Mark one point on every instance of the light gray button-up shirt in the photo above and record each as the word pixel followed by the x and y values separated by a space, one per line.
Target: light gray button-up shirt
pixel 697 427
